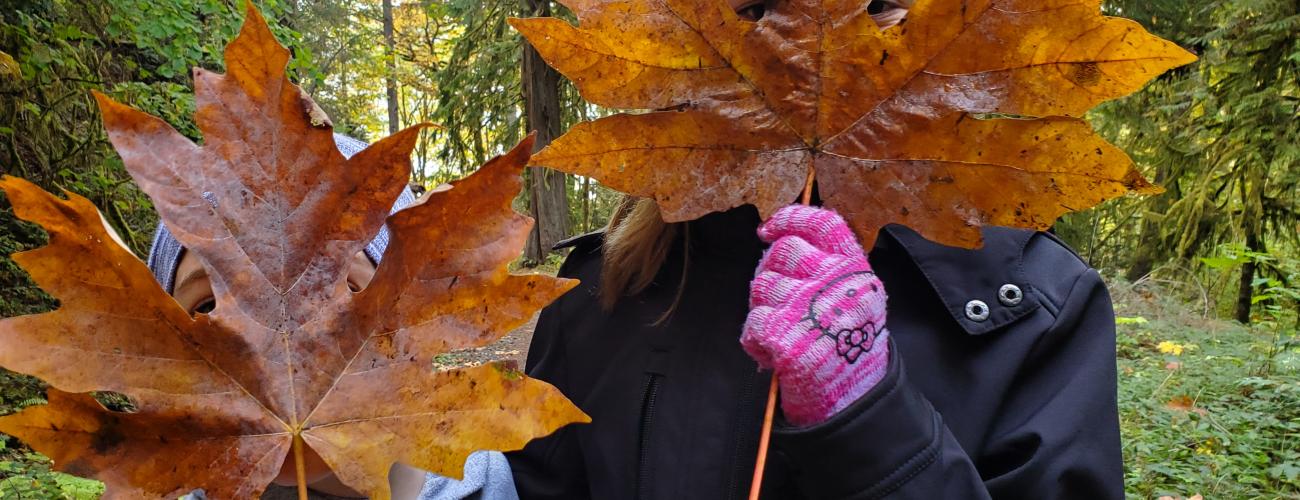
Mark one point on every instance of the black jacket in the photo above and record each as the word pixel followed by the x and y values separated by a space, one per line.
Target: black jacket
pixel 1018 405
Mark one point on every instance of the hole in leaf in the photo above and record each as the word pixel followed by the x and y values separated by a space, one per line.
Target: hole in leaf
pixel 115 401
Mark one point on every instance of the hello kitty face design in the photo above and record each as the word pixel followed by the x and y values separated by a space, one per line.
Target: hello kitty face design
pixel 837 312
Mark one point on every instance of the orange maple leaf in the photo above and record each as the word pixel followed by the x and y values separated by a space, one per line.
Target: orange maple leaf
pixel 963 115
pixel 290 356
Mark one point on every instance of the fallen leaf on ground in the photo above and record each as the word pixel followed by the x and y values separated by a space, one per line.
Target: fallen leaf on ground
pixel 1185 404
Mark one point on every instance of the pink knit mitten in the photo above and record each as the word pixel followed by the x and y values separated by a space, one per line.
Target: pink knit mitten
pixel 817 314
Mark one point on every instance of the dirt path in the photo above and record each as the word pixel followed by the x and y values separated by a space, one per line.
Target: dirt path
pixel 512 347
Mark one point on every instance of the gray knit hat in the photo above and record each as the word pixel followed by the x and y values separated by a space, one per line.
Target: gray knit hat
pixel 166 252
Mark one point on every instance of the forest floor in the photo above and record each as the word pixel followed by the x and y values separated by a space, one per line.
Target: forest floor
pixel 1207 406
pixel 512 348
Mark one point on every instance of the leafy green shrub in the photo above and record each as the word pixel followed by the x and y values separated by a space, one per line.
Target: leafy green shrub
pixel 31 477
pixel 1204 405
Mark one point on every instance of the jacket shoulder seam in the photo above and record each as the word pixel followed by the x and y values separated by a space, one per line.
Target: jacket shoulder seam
pixel 583 249
pixel 1052 306
pixel 1055 311
pixel 594 237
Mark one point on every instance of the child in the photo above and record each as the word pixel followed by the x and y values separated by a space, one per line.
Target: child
pixel 990 373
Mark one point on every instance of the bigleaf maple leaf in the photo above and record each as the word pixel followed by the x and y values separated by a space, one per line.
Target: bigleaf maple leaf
pixel 964 114
pixel 290 356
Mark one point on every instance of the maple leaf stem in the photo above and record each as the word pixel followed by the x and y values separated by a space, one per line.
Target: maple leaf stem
pixel 299 465
pixel 766 434
pixel 763 439
pixel 808 186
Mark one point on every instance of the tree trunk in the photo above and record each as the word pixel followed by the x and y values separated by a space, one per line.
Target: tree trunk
pixel 1144 256
pixel 548 197
pixel 1150 245
pixel 390 69
pixel 586 204
pixel 1252 194
pixel 1246 288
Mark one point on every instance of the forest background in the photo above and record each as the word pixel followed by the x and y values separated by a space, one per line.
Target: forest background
pixel 1206 276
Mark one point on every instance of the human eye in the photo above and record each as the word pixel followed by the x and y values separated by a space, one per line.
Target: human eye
pixel 204 306
pixel 880 6
pixel 752 11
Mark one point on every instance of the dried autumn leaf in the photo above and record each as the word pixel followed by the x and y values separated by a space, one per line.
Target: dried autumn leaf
pixel 889 120
pixel 1184 404
pixel 290 354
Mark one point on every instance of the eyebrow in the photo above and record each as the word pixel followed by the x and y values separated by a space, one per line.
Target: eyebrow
pixel 195 275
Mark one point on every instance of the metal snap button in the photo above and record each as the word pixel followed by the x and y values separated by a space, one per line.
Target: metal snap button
pixel 1010 295
pixel 977 310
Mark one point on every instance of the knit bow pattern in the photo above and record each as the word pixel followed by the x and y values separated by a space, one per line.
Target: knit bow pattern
pixel 836 311
pixel 817 314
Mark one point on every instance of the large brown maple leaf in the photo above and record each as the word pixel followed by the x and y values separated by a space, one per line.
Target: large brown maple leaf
pixel 290 355
pixel 963 115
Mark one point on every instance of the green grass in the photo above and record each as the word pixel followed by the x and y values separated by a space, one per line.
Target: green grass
pixel 28 476
pixel 1206 406
pixel 23 473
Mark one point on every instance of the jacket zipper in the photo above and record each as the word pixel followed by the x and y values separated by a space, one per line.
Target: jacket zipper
pixel 647 415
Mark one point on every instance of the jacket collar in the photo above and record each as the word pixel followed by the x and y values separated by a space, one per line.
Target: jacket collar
pixel 961 276
pixel 957 275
